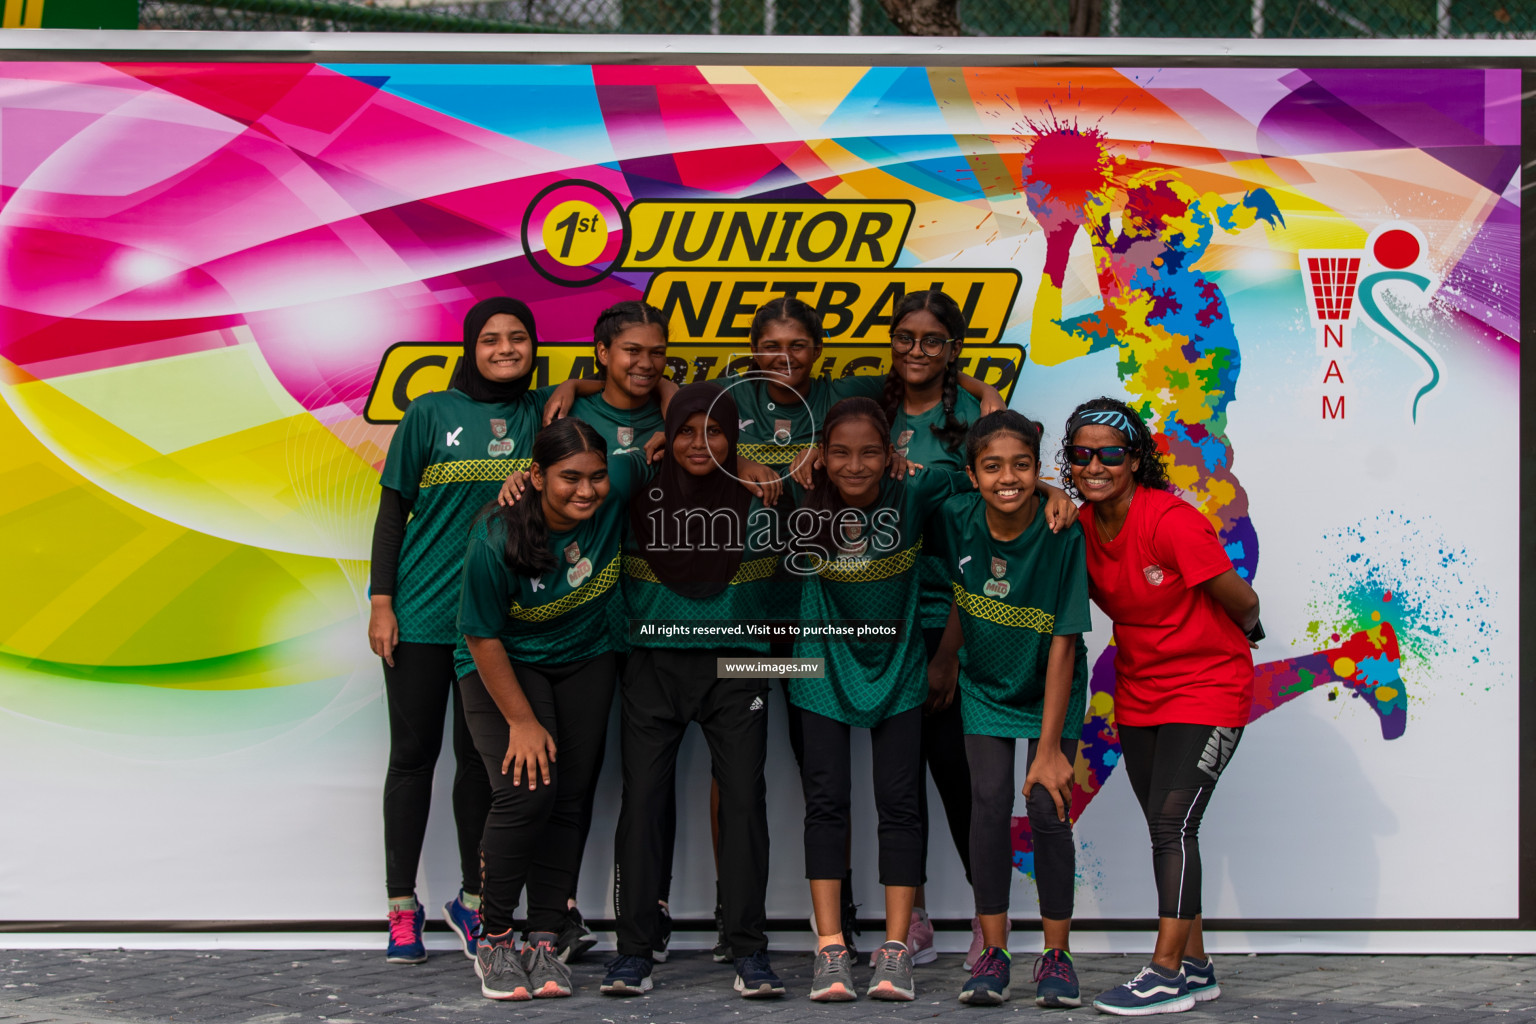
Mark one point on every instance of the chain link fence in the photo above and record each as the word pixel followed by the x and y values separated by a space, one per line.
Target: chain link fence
pixel 1271 19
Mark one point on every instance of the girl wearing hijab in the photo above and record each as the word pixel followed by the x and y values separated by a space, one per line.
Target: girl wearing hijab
pixel 447 458
pixel 700 552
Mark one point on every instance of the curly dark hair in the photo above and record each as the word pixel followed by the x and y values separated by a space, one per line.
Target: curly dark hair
pixel 1151 472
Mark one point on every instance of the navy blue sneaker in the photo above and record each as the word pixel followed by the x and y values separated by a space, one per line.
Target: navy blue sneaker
pixel 755 978
pixel 627 976
pixel 1151 991
pixel 405 945
pixel 464 922
pixel 990 979
pixel 1200 975
pixel 1056 980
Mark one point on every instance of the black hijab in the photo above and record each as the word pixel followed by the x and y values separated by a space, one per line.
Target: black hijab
pixel 468 378
pixel 690 570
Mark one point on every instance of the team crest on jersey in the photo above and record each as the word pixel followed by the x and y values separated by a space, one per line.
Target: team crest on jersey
pixel 499 428
pixel 572 553
pixel 577 574
pixel 997 586
pixel 781 431
pixel 499 448
pixel 626 436
pixel 1154 575
pixel 903 439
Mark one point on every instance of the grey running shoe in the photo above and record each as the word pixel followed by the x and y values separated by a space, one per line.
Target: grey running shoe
pixel 832 975
pixel 893 973
pixel 547 974
pixel 500 969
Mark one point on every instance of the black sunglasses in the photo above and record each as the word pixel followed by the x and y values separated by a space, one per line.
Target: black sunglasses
pixel 1110 455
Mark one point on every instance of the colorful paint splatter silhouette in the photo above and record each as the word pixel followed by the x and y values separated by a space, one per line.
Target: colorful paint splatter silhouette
pixel 1179 361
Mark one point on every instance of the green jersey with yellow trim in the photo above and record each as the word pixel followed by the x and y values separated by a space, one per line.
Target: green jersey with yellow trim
pixel 868 681
pixel 1013 596
pixel 756 592
pixel 774 432
pixel 448 458
pixel 913 436
pixel 562 616
pixel 625 430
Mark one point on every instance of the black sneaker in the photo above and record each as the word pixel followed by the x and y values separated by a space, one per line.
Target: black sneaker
pixel 755 978
pixel 721 954
pixel 574 939
pixel 627 976
pixel 663 934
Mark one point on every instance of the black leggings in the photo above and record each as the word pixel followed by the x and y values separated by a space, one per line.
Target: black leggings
pixel 944 750
pixel 535 837
pixel 1173 768
pixel 826 775
pixel 992 795
pixel 417 691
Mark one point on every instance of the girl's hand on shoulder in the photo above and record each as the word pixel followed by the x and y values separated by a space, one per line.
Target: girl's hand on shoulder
pixel 1060 511
pixel 512 488
pixel 760 480
pixel 560 402
pixel 1053 771
pixel 383 628
pixel 529 744
pixel 900 467
pixel 805 466
pixel 655 448
pixel 991 402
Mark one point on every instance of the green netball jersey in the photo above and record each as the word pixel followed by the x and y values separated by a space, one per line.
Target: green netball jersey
pixel 565 615
pixel 448 458
pixel 758 590
pixel 774 432
pixel 868 681
pixel 625 430
pixel 1014 596
pixel 913 436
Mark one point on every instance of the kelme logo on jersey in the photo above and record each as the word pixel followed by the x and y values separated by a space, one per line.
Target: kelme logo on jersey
pixel 997 586
pixel 1154 575
pixel 497 449
pixel 499 428
pixel 626 436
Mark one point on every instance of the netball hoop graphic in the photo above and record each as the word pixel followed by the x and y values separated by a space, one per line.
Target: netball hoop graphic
pixel 1341 284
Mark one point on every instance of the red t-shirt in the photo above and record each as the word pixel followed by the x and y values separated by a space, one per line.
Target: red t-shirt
pixel 1179 657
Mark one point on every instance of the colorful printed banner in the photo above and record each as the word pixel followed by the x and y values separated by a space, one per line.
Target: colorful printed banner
pixel 223 282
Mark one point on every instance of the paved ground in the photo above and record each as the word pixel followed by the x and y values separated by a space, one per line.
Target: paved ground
pixel 70 986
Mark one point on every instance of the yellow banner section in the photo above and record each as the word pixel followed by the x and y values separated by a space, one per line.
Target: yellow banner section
pixel 410 369
pixel 853 305
pixel 827 235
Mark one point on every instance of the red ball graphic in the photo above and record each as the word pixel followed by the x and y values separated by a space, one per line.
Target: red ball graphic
pixel 1396 249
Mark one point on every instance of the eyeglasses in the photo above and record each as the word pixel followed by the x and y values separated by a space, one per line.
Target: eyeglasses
pixel 1110 455
pixel 930 346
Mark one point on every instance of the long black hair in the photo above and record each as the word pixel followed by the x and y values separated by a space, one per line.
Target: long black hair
pixel 618 318
pixel 1152 472
pixel 951 433
pixel 1004 421
pixel 527 549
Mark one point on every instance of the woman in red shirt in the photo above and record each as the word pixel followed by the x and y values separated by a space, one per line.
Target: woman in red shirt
pixel 1184 623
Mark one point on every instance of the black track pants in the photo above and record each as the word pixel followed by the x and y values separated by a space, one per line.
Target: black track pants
pixel 992 795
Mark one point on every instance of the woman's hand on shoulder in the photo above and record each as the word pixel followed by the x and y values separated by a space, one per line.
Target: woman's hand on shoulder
pixel 560 402
pixel 805 465
pixel 1060 511
pixel 512 488
pixel 760 480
